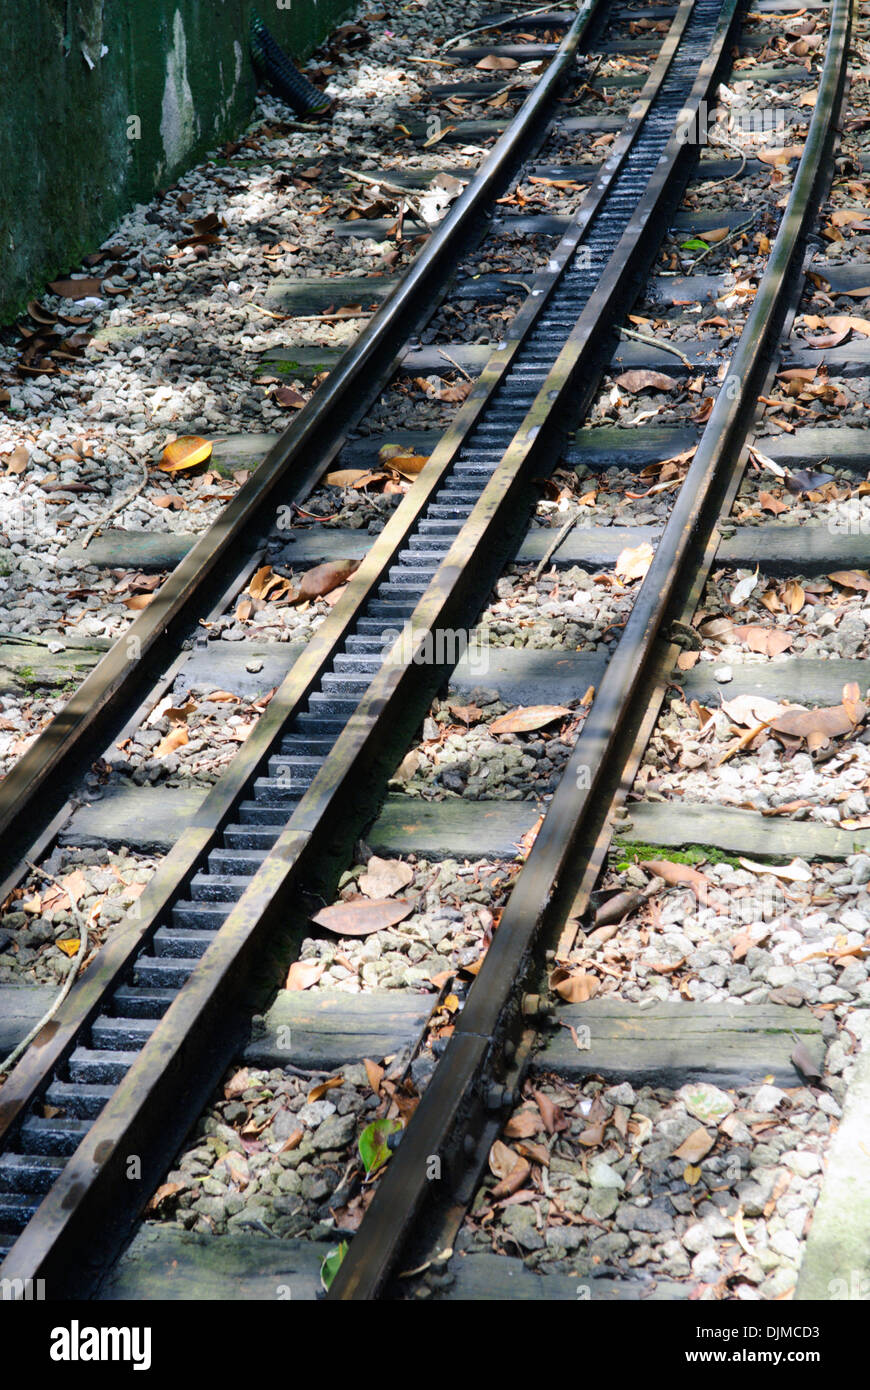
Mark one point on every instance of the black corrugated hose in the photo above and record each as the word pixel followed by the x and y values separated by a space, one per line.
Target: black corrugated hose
pixel 273 66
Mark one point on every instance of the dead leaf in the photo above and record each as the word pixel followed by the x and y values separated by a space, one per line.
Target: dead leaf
pixel 634 563
pixel 469 714
pixel 792 873
pixel 384 878
pixel 553 1118
pixel 770 641
pixel 819 726
pixel 527 718
pixel 750 710
pixel 353 477
pixel 392 456
pixel 304 973
pixel 320 580
pixel 320 1090
pixel 769 503
pixel 176 738
pixel 137 602
pixel 76 289
pixel 17 461
pixel 575 987
pixel 374 1073
pixel 187 452
pixel 512 1181
pixel 361 917
pixel 642 380
pixel 852 579
pixel 69 945
pixel 743 588
pixel 696 1146
pixel 592 1135
pixel 287 397
pixel 780 156
pixel 163 1193
pixel 677 875
pixel 494 62
pixel 522 1125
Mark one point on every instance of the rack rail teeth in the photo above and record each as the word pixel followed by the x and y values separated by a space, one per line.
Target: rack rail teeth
pixel 111 1043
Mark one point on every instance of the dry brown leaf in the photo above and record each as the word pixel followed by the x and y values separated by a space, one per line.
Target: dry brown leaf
pixel 642 380
pixel 852 579
pixel 494 62
pixel 353 477
pixel 360 917
pixel 769 503
pixel 163 1193
pixel 677 875
pixel 502 1159
pixel 374 1073
pixel 851 702
pixel 384 878
pixel 237 1084
pixel 513 1181
pixel 696 1146
pixel 553 1118
pixel 770 641
pixel 780 156
pixel 287 397
pixel 408 465
pixel 320 1090
pixel 634 563
pixel 320 580
pixel 575 987
pixel 527 718
pixel 750 710
pixel 176 738
pixel 819 726
pixel 523 1125
pixel 304 973
pixel 83 288
pixel 17 461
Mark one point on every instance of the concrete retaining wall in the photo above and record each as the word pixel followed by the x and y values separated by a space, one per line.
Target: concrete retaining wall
pixel 102 102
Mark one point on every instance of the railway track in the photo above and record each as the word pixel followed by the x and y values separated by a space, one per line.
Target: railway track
pixel 165 1006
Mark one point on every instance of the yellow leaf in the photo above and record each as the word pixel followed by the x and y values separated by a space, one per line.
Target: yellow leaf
pixel 691 1174
pixel 69 946
pixel 186 452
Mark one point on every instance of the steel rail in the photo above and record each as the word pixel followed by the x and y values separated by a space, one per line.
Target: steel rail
pixel 227 962
pixel 55 1042
pixel 452 1115
pixel 35 790
pixel 172 1075
pixel 576 822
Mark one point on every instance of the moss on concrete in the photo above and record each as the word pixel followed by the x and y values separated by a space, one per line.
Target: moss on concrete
pixel 625 852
